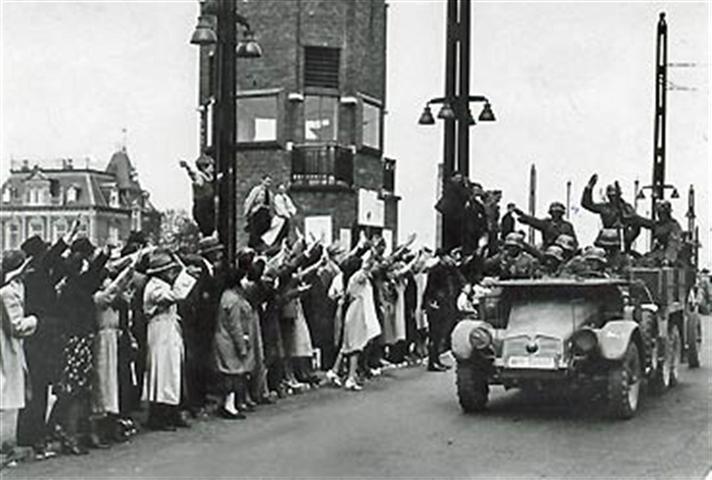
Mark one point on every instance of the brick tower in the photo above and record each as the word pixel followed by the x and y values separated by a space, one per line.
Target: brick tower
pixel 310 113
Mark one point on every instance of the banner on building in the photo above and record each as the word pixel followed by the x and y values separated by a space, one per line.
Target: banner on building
pixel 320 226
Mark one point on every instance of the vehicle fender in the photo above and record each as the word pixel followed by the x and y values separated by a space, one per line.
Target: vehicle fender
pixel 460 338
pixel 614 338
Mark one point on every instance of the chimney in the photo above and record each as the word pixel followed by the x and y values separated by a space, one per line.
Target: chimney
pixel 69 164
pixel 25 166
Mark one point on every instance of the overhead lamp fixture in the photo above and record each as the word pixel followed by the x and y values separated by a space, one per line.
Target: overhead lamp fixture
pixel 487 115
pixel 248 47
pixel 446 112
pixel 675 194
pixel 426 118
pixel 204 35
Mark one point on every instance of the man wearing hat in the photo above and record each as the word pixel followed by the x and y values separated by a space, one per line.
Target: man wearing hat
pixel 16 325
pixel 198 312
pixel 512 261
pixel 552 260
pixel 592 262
pixel 551 227
pixel 568 245
pixel 615 213
pixel 43 350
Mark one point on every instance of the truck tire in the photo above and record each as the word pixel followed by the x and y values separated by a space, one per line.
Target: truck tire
pixel 472 387
pixel 675 354
pixel 693 354
pixel 624 385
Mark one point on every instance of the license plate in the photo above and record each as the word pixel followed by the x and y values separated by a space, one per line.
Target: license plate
pixel 543 363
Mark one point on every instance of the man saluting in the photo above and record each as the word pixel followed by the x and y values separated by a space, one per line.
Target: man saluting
pixel 615 213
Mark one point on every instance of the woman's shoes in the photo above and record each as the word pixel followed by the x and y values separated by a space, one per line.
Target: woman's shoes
pixel 333 378
pixel 352 385
pixel 224 413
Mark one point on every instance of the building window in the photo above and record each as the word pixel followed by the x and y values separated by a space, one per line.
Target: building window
pixel 7 195
pixel 60 229
pixel 37 196
pixel 257 119
pixel 113 235
pixel 36 228
pixel 71 194
pixel 371 125
pixel 321 118
pixel 321 67
pixel 114 198
pixel 13 235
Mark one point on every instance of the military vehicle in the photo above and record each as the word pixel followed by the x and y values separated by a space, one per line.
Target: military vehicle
pixel 610 334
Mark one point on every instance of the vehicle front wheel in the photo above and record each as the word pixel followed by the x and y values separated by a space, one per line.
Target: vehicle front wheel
pixel 472 387
pixel 624 385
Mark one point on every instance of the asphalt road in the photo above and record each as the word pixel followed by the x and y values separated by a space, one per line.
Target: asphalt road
pixel 408 423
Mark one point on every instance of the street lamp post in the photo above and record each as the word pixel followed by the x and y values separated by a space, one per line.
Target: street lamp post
pixel 225 110
pixel 455 110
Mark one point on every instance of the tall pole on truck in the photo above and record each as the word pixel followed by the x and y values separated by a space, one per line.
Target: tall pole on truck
pixel 658 182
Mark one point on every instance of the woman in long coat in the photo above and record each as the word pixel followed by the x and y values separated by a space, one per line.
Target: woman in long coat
pixel 165 352
pixel 105 390
pixel 15 326
pixel 235 343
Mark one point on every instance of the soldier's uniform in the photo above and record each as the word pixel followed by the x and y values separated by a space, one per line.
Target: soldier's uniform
pixel 614 214
pixel 667 236
pixel 551 227
pixel 512 262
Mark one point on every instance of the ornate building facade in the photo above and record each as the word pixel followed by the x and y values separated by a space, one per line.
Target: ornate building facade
pixel 44 199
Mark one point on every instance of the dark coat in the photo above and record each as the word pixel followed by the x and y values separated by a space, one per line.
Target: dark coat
pixel 235 334
pixel 550 229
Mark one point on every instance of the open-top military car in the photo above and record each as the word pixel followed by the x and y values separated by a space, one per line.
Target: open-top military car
pixel 609 334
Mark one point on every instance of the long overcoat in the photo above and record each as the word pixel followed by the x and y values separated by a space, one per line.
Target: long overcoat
pixel 235 334
pixel 165 352
pixel 15 326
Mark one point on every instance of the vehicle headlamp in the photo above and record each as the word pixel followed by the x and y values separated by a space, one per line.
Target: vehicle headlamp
pixel 480 338
pixel 584 341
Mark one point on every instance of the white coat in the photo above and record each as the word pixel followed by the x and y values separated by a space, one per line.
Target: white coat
pixel 165 353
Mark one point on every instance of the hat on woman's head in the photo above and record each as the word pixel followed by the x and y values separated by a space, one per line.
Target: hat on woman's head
pixel 34 246
pixel 82 245
pixel 160 261
pixel 11 260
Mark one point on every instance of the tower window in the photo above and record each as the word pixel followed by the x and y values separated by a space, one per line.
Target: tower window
pixel 321 118
pixel 321 67
pixel 371 123
pixel 257 119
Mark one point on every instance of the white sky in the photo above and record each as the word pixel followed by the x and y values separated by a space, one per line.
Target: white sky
pixel 571 84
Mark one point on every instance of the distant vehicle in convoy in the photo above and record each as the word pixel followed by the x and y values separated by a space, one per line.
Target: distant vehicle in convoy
pixel 606 333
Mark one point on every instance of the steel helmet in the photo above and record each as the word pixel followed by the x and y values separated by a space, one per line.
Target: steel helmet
pixel 513 240
pixel 557 207
pixel 596 254
pixel 555 251
pixel 566 242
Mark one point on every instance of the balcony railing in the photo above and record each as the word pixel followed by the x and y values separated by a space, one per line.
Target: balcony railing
pixel 322 165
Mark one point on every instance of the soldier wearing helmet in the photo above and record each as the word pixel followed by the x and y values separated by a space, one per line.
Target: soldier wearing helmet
pixel 592 262
pixel 610 241
pixel 551 227
pixel 615 213
pixel 568 245
pixel 552 260
pixel 512 261
pixel 667 235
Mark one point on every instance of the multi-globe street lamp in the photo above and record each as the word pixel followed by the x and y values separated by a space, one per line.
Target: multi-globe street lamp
pixel 227 50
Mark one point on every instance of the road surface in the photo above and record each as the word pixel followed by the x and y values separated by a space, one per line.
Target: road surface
pixel 408 423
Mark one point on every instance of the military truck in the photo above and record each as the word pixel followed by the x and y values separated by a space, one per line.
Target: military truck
pixel 608 334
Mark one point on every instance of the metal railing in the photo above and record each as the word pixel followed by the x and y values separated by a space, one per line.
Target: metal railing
pixel 322 165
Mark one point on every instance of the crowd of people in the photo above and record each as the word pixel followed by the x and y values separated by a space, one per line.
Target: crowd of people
pixel 180 333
